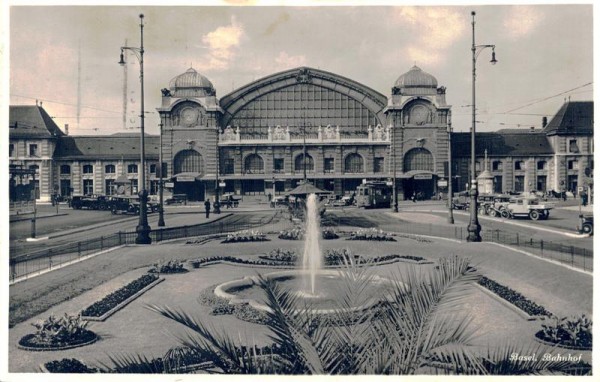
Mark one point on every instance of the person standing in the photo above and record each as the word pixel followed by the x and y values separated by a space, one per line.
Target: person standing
pixel 207 208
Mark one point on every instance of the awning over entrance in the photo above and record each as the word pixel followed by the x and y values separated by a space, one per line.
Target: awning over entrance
pixel 417 174
pixel 187 176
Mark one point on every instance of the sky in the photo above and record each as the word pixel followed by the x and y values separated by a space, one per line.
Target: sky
pixel 67 56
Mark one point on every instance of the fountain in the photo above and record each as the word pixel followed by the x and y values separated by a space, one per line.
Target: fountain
pixel 312 283
pixel 312 258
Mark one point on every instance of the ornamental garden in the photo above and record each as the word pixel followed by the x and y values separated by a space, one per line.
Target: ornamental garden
pixel 402 304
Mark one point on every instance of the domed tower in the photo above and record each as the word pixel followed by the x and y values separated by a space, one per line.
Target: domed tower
pixel 190 115
pixel 419 117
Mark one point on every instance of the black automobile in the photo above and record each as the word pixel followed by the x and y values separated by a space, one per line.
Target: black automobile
pixel 129 205
pixel 587 224
pixel 92 202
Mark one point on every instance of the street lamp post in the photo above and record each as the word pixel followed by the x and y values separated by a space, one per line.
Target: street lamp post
pixel 474 228
pixel 450 210
pixel 394 180
pixel 161 213
pixel 143 229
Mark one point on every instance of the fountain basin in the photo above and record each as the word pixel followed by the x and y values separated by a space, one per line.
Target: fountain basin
pixel 247 290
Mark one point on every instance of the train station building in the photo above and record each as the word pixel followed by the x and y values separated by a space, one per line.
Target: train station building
pixel 304 123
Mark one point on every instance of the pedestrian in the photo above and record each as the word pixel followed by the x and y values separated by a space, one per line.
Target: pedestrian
pixel 414 197
pixel 207 207
pixel 217 207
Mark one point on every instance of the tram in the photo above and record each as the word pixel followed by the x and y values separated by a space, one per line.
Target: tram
pixel 374 195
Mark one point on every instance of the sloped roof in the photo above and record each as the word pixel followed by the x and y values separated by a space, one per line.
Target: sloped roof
pixel 573 118
pixel 27 121
pixel 105 147
pixel 305 189
pixel 504 143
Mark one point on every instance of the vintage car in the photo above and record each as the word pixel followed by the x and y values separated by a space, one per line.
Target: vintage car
pixel 527 207
pixel 92 202
pixel 129 205
pixel 587 224
pixel 461 200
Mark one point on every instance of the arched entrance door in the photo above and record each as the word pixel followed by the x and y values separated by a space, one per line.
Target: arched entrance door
pixel 418 169
pixel 188 167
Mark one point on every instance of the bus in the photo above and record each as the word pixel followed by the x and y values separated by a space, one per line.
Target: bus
pixel 374 195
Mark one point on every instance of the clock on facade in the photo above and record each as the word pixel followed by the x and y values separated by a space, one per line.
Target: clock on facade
pixel 189 116
pixel 419 114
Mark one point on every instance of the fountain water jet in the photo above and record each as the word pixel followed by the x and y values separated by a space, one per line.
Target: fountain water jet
pixel 312 259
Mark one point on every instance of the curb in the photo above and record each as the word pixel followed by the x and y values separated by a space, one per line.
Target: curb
pixel 24 219
pixel 513 307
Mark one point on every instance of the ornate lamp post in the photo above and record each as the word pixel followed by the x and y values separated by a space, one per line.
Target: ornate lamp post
pixel 474 228
pixel 450 211
pixel 143 229
pixel 161 213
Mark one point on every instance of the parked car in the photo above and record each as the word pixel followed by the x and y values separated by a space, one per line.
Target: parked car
pixel 461 200
pixel 587 224
pixel 527 207
pixel 129 205
pixel 176 199
pixel 92 202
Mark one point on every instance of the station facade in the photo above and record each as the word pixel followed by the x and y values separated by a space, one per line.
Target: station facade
pixel 304 123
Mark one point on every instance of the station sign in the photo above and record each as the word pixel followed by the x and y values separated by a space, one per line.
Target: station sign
pixel 169 184
pixel 442 183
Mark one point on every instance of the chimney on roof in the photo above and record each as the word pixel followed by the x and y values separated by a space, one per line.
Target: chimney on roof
pixel 532 129
pixel 66 128
pixel 544 122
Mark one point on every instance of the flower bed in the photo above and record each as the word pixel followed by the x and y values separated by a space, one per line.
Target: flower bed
pixel 371 234
pixel 67 365
pixel 221 306
pixel 297 233
pixel 120 297
pixel 62 333
pixel 329 234
pixel 574 333
pixel 168 267
pixel 281 255
pixel 515 298
pixel 332 257
pixel 245 236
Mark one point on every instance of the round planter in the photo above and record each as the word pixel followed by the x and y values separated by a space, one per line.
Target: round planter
pixel 538 337
pixel 25 344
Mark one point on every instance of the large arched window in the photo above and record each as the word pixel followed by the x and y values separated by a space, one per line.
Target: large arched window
pixel 299 163
pixel 354 164
pixel 254 164
pixel 188 161
pixel 418 159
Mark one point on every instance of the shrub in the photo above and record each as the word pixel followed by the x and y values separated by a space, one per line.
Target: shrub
pixel 245 236
pixel 170 266
pixel 281 255
pixel 329 234
pixel 514 298
pixel 98 308
pixel 371 234
pixel 296 233
pixel 575 332
pixel 58 332
pixel 67 365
